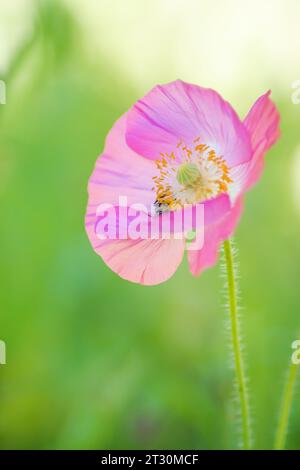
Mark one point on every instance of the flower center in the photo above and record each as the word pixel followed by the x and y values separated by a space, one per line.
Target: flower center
pixel 189 175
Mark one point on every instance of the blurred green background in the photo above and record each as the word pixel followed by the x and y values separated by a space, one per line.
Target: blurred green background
pixel 94 361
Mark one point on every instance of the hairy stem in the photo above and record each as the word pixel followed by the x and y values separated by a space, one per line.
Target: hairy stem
pixel 236 345
pixel 285 409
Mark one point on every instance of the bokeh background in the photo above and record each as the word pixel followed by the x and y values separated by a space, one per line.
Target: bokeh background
pixel 94 361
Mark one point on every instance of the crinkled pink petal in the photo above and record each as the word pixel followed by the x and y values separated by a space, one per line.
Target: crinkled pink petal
pixel 147 262
pixel 262 123
pixel 119 171
pixel 178 110
pixel 214 235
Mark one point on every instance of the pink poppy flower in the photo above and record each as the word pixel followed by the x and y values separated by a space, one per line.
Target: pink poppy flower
pixel 180 147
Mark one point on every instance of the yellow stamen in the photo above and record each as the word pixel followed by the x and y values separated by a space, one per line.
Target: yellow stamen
pixel 201 175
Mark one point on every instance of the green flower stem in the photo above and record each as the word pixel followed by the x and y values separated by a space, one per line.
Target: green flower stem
pixel 238 360
pixel 285 409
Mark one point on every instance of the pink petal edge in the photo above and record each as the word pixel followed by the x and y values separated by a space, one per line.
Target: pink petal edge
pixel 181 111
pixel 214 235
